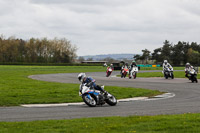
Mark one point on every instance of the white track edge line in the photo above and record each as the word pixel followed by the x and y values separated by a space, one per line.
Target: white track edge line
pixel 158 97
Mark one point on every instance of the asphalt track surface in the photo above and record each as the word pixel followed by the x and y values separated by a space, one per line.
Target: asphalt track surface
pixel 186 99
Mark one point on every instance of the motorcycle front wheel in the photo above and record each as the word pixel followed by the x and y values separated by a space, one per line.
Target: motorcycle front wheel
pixel 172 75
pixel 89 100
pixel 111 100
pixel 135 75
pixel 124 75
pixel 108 74
pixel 194 79
pixel 166 76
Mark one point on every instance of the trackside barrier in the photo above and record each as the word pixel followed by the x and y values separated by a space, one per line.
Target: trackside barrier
pixel 141 65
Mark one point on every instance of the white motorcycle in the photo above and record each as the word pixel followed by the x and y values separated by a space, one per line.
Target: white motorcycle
pixel 192 75
pixel 168 72
pixel 94 97
pixel 133 73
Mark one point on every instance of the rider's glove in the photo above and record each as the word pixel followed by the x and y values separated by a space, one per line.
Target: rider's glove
pixel 89 84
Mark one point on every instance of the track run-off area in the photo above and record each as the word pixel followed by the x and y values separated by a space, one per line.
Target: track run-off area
pixel 185 99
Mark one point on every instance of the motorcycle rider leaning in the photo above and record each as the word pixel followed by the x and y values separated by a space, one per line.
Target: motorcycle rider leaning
pixel 111 66
pixel 125 65
pixel 166 65
pixel 90 82
pixel 188 68
pixel 133 64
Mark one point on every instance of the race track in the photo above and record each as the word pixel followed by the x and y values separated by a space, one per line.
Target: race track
pixel 187 99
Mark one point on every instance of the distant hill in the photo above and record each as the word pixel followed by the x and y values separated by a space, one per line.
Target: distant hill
pixel 114 56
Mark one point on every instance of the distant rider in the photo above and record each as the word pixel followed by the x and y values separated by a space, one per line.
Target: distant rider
pixel 188 68
pixel 90 82
pixel 166 65
pixel 111 66
pixel 125 65
pixel 123 69
pixel 105 65
pixel 133 64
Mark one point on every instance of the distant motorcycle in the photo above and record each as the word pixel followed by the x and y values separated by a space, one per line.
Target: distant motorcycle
pixel 94 97
pixel 168 72
pixel 109 71
pixel 124 72
pixel 133 72
pixel 192 75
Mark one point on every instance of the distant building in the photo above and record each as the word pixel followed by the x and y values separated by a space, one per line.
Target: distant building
pixel 95 62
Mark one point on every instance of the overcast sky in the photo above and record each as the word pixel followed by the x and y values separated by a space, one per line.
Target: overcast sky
pixel 103 26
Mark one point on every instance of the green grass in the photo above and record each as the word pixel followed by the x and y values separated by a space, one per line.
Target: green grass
pixel 184 123
pixel 16 88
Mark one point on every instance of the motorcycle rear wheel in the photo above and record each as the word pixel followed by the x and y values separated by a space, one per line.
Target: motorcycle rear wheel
pixel 89 100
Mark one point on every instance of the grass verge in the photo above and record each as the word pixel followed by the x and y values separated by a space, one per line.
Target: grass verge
pixel 134 124
pixel 16 88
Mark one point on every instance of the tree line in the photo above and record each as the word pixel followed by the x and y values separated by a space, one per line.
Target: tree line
pixel 176 54
pixel 37 50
